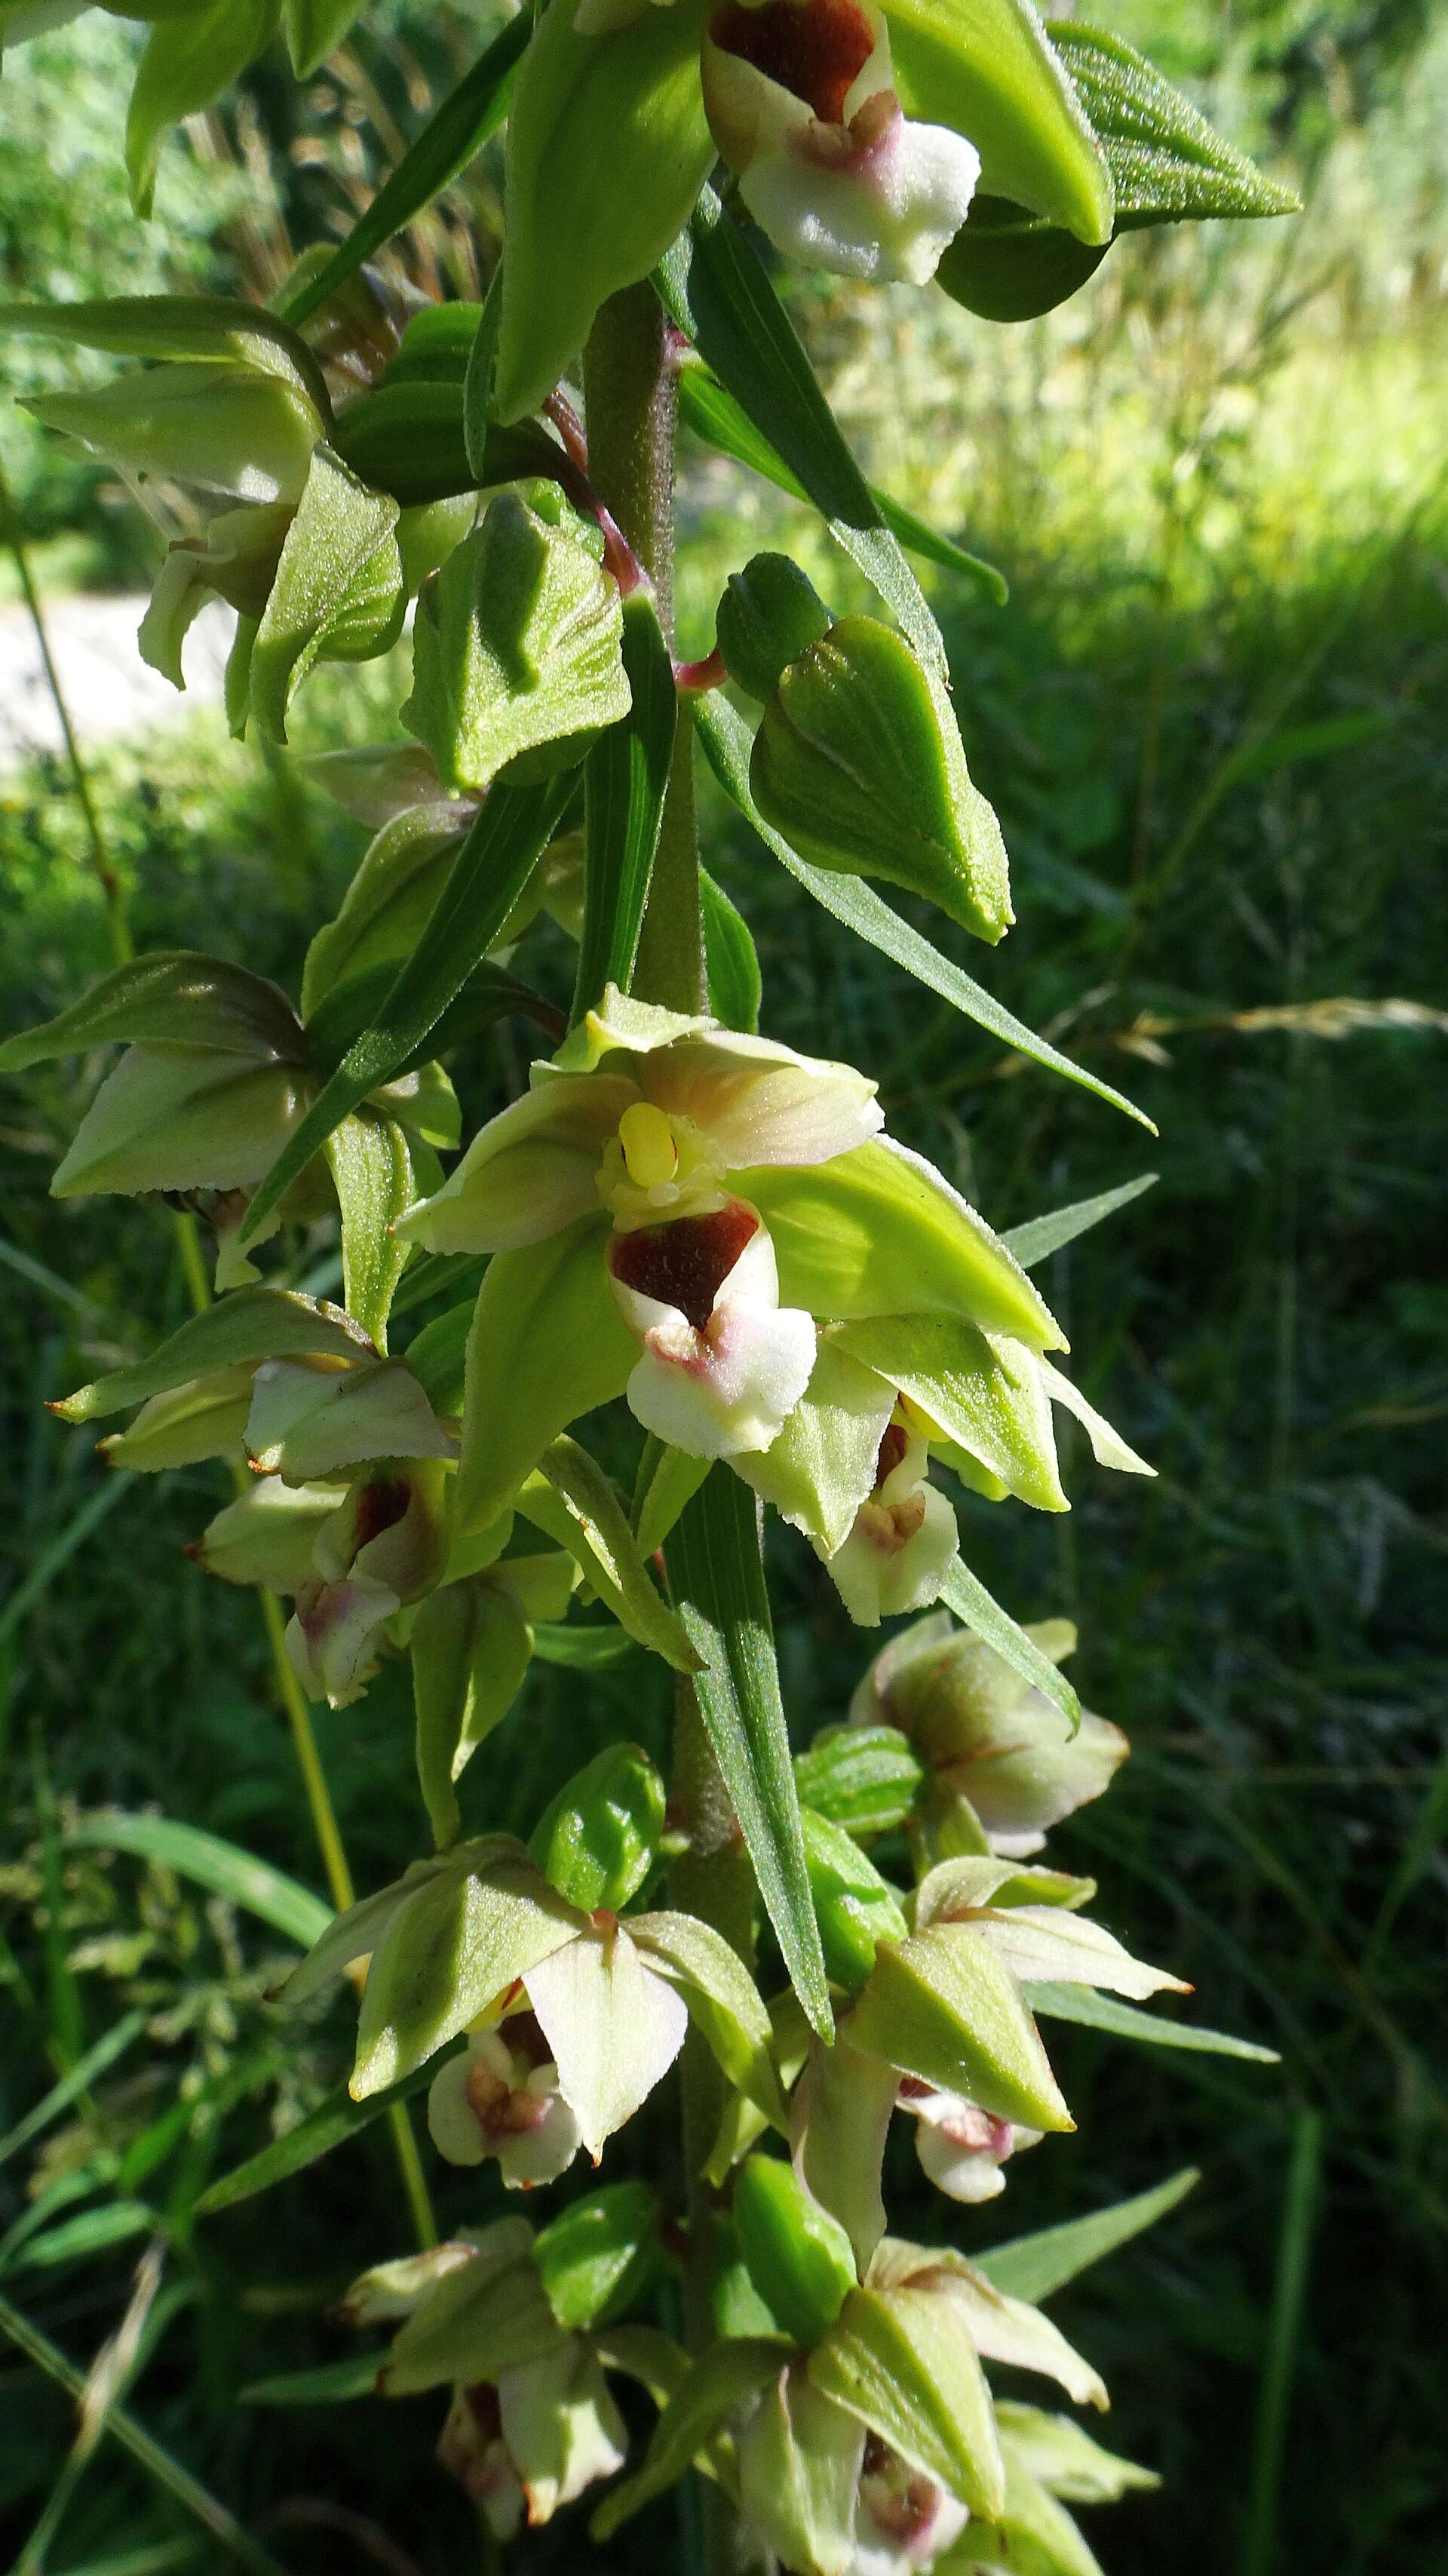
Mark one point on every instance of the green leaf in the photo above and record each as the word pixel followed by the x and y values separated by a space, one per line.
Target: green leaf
pixel 903 2362
pixel 332 2124
pixel 714 415
pixel 251 1324
pixel 717 1576
pixel 607 150
pixel 176 997
pixel 1106 2012
pixel 943 2007
pixel 969 1599
pixel 722 1997
pixel 582 1650
pixel 728 744
pixel 625 778
pixel 219 328
pixel 547 1344
pixel 731 960
pixel 599 2253
pixel 314 29
pixel 328 2385
pixel 1167 163
pixel 252 1884
pixel 1031 2267
pixel 724 2379
pixel 865 1778
pixel 384 912
pixel 372 1171
pixel 579 1509
pixel 453 134
pixel 339 593
pixel 1036 1240
pixel 490 871
pixel 112 2044
pixel 988 68
pixel 517 649
pixel 187 63
pixel 717 291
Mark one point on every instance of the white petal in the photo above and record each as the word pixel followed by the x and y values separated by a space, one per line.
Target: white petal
pixel 727 1388
pixel 614 2029
pixel 756 1102
pixel 1043 1945
pixel 529 1173
pixel 886 209
pixel 1107 1446
pixel 561 2427
pixel 331 1639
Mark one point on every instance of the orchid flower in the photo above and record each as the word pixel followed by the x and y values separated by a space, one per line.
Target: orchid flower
pixel 961 2147
pixel 673 1209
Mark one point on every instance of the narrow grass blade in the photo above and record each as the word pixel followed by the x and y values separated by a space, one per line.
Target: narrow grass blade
pixel 717 291
pixel 966 1595
pixel 1040 1236
pixel 1031 2267
pixel 712 413
pixel 223 1867
pixel 1105 2012
pixel 1284 2340
pixel 112 2044
pixel 447 143
pixel 331 2125
pixel 148 2453
pixel 49 1282
pixel 727 745
pixel 487 876
pixel 625 780
pixel 62 1548
pixel 354 2376
pixel 78 2239
pixel 717 1576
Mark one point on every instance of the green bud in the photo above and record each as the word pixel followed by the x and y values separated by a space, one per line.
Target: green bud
pixel 865 1778
pixel 599 2253
pixel 858 762
pixel 598 1839
pixel 770 613
pixel 799 2257
pixel 406 438
pixel 855 1906
pixel 518 649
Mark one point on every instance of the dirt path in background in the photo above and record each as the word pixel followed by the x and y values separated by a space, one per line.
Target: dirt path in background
pixel 108 688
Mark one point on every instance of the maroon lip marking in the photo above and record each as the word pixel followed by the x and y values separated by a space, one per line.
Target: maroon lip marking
pixel 381 1504
pixel 817 51
pixel 684 1264
pixel 894 1442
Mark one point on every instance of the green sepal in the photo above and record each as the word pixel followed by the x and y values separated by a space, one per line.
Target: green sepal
pixel 452 1947
pixel 339 593
pixel 599 2254
pixel 799 2474
pixel 1064 2457
pixel 547 1344
pixel 856 1908
pixel 517 649
pixel 189 59
pixel 988 69
pixel 217 328
pixel 607 150
pixel 863 1778
pixel 724 2002
pixel 840 2120
pixel 314 28
pixel 205 1417
pixel 725 2378
pixel 479 2320
pixel 1034 2535
pixel 858 763
pixel 266 1536
pixel 251 1324
pixel 821 1465
pixel 878 1231
pixel 799 2257
pixel 224 428
pixel 943 2007
pixel 470 1646
pixel 598 1839
pixel 769 614
pixel 904 2363
pixel 983 1391
pixel 176 997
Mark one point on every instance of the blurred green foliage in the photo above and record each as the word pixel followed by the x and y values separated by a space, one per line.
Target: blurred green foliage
pixel 1212 719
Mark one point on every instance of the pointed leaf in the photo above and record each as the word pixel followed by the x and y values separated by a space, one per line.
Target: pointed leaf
pixel 331 2124
pixel 159 327
pixel 625 778
pixel 490 871
pixel 724 2380
pixel 187 63
pixel 250 1324
pixel 1105 2012
pixel 1031 2267
pixel 718 293
pixel 580 1510
pixel 176 997
pixel 1040 1236
pixel 453 134
pixel 339 593
pixel 1167 163
pixel 969 1599
pixel 470 1648
pixel 372 1172
pixel 731 960
pixel 314 29
pixel 222 1867
pixel 717 1577
pixel 547 1345
pixel 728 744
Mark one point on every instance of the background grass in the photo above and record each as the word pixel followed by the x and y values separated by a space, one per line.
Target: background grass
pixel 1212 719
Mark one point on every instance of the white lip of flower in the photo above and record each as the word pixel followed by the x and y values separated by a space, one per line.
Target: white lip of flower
pixel 904 1537
pixel 903 2520
pixel 961 2147
pixel 715 1378
pixel 838 177
pixel 495 2099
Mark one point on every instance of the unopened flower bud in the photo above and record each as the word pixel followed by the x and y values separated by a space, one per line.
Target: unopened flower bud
pixel 598 1839
pixel 769 614
pixel 799 2257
